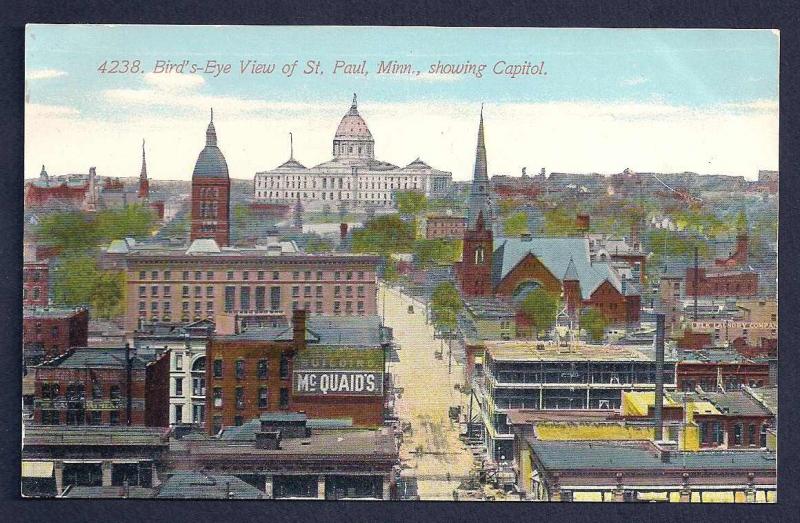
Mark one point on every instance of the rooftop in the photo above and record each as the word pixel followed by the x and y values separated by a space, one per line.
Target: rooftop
pixel 106 357
pixel 532 350
pixel 49 312
pixel 109 492
pixel 489 308
pixel 643 455
pixel 85 435
pixel 199 485
pixel 347 331
pixel 732 403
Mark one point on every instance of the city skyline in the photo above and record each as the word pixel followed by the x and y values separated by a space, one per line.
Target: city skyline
pixel 672 101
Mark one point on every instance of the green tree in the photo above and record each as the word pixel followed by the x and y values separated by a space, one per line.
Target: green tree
pixel 540 307
pixel 108 294
pixel 411 203
pixel 516 224
pixel 559 222
pixel 68 230
pixel 594 323
pixel 134 221
pixel 78 281
pixel 384 235
pixel 507 206
pixel 440 251
pixel 446 297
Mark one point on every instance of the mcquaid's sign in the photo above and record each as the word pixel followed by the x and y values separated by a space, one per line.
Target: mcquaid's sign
pixel 338 383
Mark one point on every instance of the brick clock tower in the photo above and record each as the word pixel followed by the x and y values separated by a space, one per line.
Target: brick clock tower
pixel 211 188
pixel 475 270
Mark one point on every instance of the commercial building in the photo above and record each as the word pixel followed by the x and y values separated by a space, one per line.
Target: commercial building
pixel 445 227
pixel 353 178
pixel 521 374
pixel 720 369
pixel 326 367
pixel 48 332
pixel 35 283
pixel 287 456
pixel 187 366
pixel 172 283
pixel 57 458
pixel 93 386
pixel 721 282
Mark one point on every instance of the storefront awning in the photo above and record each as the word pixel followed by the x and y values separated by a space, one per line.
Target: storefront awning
pixel 37 469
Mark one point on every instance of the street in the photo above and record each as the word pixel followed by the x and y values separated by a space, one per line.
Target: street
pixel 433 452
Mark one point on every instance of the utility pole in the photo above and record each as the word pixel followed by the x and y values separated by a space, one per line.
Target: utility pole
pixel 696 281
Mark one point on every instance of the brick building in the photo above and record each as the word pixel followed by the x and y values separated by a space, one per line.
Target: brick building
pixel 326 367
pixel 445 227
pixel 91 386
pixel 211 188
pixel 719 283
pixel 35 283
pixel 49 332
pixel 171 284
pixel 708 369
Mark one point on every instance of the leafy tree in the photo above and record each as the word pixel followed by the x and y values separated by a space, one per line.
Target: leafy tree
pixel 559 222
pixel 135 221
pixel 68 230
pixel 108 294
pixel 446 296
pixel 78 281
pixel 390 273
pixel 440 251
pixel 316 244
pixel 411 203
pixel 540 307
pixel 507 206
pixel 516 224
pixel 594 323
pixel 384 235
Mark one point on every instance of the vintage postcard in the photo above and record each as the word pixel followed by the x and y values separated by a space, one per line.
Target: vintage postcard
pixel 396 263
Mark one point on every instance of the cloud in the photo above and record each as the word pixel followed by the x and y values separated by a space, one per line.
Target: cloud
pixel 569 136
pixel 44 74
pixel 174 82
pixel 636 80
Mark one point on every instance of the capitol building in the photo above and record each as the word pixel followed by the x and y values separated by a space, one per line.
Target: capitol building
pixel 353 178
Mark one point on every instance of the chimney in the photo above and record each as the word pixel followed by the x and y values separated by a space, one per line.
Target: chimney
pixel 659 407
pixel 665 455
pixel 299 327
pixel 342 231
pixel 128 385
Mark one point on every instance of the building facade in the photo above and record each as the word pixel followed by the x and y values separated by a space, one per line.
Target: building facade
pixel 352 179
pixel 92 386
pixel 323 367
pixel 445 227
pixel 49 332
pixel 172 284
pixel 211 189
pixel 35 283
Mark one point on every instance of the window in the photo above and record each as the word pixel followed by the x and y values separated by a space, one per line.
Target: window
pixel 179 387
pixel 737 433
pixel 114 393
pixel 284 400
pixel 260 298
pixel 360 291
pixel 51 417
pixel 218 368
pixel 276 275
pixel 349 275
pixel 178 361
pixel 361 307
pixel 284 366
pixel 185 291
pixel 197 291
pixel 318 307
pixel 263 398
pixel 263 369
pixel 239 369
pixel 154 275
pixel 185 306
pixel 210 275
pixel 337 291
pixel 245 275
pixel 178 413
pixel 239 398
pixel 210 291
pixel 275 298
pixel 209 307
pixel 217 396
pixel 185 275
pixel 307 291
pixel 142 291
pixel 295 291
pixel 260 275
pixel 142 275
pixel 216 424
pixel 763 439
pixel 197 306
pixel 348 291
pixel 230 295
pixel 244 298
pixel 337 307
pixel 54 331
pixel 97 391
pixel 154 306
pixel 198 275
pixel 230 275
pixel 307 275
pixel 319 291
pixel 296 275
pixel 751 434
pixel 319 275
pixel 167 291
pixel 167 275
pixel 238 421
pixel 113 417
pixel 337 275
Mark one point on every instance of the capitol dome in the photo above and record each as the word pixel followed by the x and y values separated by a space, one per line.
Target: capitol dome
pixel 211 162
pixel 353 139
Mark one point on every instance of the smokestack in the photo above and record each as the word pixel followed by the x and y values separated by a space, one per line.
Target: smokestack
pixel 128 388
pixel 299 328
pixel 659 407
pixel 342 231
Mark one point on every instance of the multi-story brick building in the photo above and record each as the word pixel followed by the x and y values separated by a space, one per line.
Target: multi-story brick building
pixel 324 367
pixel 35 283
pixel 48 332
pixel 90 386
pixel 445 227
pixel 720 283
pixel 712 369
pixel 169 284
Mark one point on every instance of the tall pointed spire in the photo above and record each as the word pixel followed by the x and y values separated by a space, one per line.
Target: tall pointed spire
pixel 480 154
pixel 144 184
pixel 211 133
pixel 479 192
pixel 143 172
pixel 291 147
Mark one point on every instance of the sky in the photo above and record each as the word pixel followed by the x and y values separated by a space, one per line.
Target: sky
pixel 650 100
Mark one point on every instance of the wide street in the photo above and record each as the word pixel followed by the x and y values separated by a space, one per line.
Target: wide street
pixel 433 452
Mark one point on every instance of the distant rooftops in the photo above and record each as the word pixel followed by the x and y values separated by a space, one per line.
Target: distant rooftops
pixel 83 357
pixel 50 312
pixel 532 350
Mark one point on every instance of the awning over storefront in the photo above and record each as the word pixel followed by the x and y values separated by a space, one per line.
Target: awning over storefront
pixel 37 469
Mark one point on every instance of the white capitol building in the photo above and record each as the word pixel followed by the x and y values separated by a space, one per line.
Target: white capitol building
pixel 353 178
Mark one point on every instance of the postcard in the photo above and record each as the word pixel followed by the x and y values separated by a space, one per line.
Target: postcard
pixel 400 263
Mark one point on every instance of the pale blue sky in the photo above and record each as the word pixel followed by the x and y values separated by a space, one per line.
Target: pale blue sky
pixel 691 71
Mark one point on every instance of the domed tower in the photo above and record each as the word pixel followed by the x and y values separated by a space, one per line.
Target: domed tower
pixel 353 139
pixel 211 188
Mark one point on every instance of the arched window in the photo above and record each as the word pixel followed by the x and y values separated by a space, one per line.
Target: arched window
pixel 479 255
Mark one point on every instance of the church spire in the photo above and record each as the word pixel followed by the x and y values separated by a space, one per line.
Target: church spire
pixel 143 172
pixel 144 184
pixel 211 133
pixel 480 173
pixel 291 147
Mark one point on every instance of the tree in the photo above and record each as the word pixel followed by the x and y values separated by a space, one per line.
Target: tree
pixel 445 296
pixel 384 235
pixel 540 307
pixel 411 203
pixel 507 205
pixel 516 224
pixel 559 222
pixel 78 282
pixel 440 251
pixel 594 323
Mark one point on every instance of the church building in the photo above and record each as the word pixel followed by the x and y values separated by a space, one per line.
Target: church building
pixel 211 188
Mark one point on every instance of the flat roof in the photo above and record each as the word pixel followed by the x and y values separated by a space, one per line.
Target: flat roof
pixel 528 350
pixel 86 435
pixel 642 455
pixel 49 312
